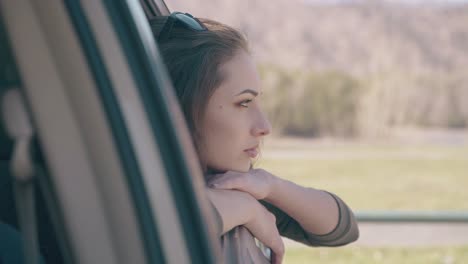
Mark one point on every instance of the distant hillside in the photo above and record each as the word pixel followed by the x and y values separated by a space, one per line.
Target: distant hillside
pixel 360 38
pixel 361 68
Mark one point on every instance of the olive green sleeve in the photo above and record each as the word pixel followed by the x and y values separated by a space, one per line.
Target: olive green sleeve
pixel 345 232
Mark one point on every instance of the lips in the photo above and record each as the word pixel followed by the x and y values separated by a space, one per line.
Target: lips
pixel 252 152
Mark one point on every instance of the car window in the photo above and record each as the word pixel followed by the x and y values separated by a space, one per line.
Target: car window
pixel 119 176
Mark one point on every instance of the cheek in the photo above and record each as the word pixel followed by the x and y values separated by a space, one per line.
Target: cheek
pixel 220 128
pixel 224 133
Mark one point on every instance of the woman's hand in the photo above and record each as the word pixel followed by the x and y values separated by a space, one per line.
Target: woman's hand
pixel 240 208
pixel 257 182
pixel 298 202
pixel 263 226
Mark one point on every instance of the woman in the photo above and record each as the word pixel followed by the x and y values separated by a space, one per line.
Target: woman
pixel 219 89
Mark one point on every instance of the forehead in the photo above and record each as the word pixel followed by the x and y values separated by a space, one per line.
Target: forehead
pixel 239 73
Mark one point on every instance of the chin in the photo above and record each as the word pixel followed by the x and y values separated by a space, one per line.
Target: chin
pixel 244 167
pixel 243 170
pixel 238 168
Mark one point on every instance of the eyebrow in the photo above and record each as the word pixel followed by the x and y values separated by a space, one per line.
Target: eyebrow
pixel 250 91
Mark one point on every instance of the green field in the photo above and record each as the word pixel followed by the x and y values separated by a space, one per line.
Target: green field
pixel 384 177
pixel 380 176
pixel 360 255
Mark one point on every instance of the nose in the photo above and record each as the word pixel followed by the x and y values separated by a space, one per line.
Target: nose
pixel 262 126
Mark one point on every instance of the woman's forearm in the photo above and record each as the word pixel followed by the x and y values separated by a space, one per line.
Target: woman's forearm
pixel 238 208
pixel 320 217
pixel 315 210
pixel 232 206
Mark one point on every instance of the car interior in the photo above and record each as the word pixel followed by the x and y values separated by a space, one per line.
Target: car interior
pixel 44 218
pixel 12 194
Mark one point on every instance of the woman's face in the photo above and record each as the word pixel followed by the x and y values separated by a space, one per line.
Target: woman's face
pixel 234 123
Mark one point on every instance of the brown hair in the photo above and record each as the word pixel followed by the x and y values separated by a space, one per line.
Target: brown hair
pixel 194 59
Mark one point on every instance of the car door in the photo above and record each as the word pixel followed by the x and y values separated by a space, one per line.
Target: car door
pixel 112 155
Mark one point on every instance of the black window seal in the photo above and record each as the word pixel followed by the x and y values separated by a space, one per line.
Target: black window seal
pixel 126 153
pixel 157 94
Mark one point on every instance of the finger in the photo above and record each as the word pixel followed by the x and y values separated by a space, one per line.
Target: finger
pixel 275 243
pixel 228 182
pixel 273 258
pixel 271 238
pixel 278 249
pixel 218 177
pixel 276 258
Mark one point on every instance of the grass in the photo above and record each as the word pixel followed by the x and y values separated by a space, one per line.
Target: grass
pixel 360 255
pixel 388 177
pixel 376 176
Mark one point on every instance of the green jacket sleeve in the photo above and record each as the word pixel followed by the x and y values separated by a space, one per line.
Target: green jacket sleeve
pixel 345 232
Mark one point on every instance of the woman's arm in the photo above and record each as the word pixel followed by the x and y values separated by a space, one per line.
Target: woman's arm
pixel 228 205
pixel 316 210
pixel 236 208
pixel 344 233
pixel 317 216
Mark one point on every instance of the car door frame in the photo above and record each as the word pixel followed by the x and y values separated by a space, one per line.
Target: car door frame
pixel 79 85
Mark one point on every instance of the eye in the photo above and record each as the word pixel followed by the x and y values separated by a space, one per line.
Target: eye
pixel 245 103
